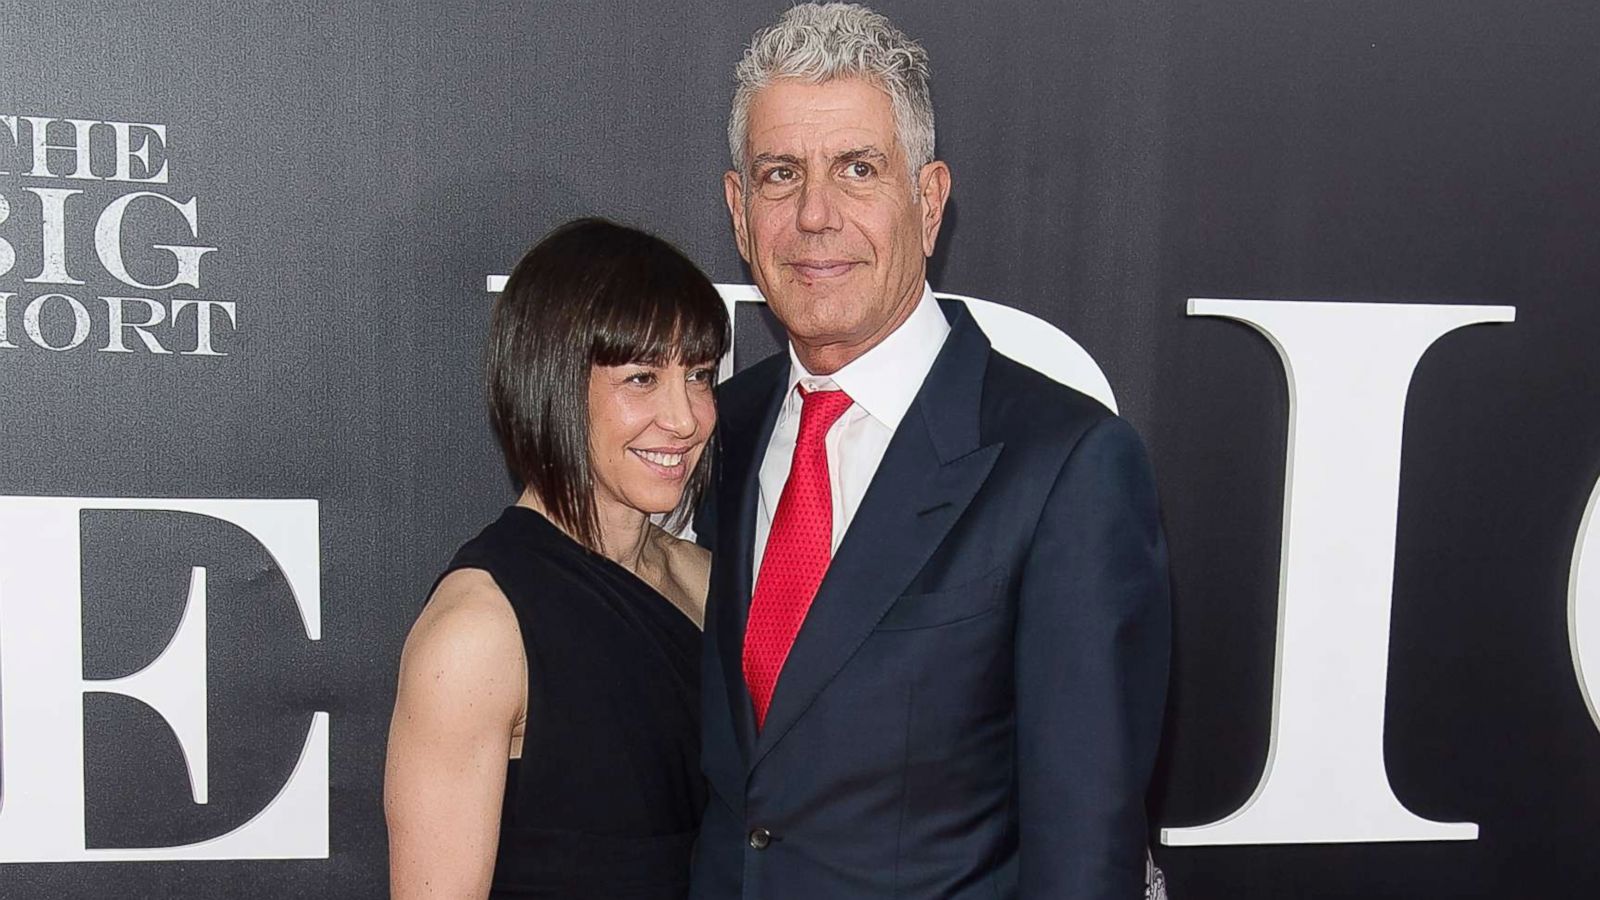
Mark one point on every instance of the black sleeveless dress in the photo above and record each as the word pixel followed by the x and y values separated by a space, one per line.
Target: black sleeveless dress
pixel 606 799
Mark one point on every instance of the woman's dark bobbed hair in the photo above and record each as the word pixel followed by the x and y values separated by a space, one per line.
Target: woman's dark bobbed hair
pixel 592 292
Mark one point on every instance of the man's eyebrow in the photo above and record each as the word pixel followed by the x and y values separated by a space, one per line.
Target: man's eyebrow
pixel 766 158
pixel 867 152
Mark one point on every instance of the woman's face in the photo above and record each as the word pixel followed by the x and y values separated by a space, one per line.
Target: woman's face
pixel 647 428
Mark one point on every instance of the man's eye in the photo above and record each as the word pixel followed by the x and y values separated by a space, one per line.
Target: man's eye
pixel 859 170
pixel 778 175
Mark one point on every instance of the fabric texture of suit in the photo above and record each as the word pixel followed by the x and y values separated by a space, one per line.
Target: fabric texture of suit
pixel 972 706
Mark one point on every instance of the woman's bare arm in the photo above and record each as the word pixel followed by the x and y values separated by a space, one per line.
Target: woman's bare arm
pixel 463 688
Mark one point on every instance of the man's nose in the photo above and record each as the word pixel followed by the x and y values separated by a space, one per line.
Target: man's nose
pixel 818 209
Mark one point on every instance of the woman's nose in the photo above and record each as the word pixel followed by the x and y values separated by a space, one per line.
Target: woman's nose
pixel 675 414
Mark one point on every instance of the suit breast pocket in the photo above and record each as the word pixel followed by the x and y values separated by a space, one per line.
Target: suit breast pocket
pixel 949 605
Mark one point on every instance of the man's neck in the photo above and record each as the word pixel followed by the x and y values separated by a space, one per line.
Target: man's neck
pixel 828 357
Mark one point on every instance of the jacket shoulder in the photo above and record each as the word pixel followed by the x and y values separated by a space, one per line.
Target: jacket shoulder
pixel 1020 402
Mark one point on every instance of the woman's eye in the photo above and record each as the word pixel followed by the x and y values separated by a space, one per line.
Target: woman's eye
pixel 642 378
pixel 703 376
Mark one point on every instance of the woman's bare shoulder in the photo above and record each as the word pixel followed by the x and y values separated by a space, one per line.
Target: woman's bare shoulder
pixel 688 571
pixel 685 556
pixel 467 605
pixel 466 639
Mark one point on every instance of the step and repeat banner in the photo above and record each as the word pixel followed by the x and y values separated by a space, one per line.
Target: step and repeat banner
pixel 1338 262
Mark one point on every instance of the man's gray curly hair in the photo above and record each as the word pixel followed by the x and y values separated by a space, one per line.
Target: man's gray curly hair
pixel 819 42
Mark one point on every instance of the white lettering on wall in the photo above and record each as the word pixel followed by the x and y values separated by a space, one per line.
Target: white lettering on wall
pixel 42 685
pixel 126 152
pixel 35 329
pixel 53 235
pixel 108 242
pixel 79 146
pixel 1583 608
pixel 1348 367
pixel 203 321
pixel 85 228
pixel 8 254
pixel 5 299
pixel 10 122
pixel 142 142
pixel 117 320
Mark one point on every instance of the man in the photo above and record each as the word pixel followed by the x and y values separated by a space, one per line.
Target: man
pixel 937 640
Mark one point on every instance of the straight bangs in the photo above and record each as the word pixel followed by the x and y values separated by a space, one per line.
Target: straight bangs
pixel 657 317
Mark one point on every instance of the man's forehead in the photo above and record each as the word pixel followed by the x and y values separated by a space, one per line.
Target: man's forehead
pixel 798 118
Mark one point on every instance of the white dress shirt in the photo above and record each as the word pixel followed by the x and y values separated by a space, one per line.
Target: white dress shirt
pixel 882 382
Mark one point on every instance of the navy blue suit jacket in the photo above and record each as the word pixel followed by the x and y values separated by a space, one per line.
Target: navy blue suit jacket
pixel 972 706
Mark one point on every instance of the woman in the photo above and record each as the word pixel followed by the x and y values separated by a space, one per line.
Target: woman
pixel 545 740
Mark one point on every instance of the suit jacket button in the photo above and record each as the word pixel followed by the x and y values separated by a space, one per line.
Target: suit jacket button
pixel 760 838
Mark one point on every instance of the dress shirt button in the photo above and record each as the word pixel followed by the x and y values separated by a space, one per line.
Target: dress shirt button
pixel 760 838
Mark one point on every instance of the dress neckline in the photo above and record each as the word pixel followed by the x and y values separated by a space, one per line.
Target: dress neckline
pixel 558 538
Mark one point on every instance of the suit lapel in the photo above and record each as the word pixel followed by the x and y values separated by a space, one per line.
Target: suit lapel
pixel 929 474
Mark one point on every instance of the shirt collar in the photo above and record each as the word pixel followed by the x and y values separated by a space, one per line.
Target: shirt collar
pixel 884 380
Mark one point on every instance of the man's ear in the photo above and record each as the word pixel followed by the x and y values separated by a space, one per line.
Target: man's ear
pixel 933 189
pixel 733 193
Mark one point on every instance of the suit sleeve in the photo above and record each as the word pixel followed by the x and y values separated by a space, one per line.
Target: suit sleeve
pixel 1093 641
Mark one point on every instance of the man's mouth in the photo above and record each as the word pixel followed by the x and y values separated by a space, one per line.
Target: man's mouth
pixel 818 269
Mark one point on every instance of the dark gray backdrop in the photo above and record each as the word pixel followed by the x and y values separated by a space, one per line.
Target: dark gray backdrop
pixel 362 167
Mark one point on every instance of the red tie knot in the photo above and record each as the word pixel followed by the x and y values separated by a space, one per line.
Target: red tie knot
pixel 819 410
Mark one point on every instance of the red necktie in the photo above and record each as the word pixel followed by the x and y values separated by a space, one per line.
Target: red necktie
pixel 799 546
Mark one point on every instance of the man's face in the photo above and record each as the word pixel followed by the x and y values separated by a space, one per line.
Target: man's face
pixel 826 215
